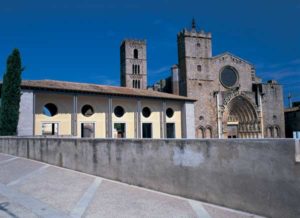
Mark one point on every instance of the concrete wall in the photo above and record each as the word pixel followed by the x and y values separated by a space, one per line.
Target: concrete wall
pixel 258 176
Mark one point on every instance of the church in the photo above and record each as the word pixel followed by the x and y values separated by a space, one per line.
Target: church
pixel 204 97
pixel 231 101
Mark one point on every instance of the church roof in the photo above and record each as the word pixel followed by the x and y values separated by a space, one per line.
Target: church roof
pixel 55 85
pixel 232 55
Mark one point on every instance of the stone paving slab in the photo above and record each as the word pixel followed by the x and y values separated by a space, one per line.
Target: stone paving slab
pixel 116 199
pixel 12 170
pixel 9 209
pixel 33 189
pixel 58 187
pixel 5 157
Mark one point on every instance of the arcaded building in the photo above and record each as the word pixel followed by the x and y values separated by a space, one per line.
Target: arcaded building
pixel 68 109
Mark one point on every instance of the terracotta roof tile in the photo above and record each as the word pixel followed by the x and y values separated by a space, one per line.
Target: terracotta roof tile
pixel 100 89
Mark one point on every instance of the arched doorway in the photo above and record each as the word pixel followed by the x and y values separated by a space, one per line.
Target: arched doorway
pixel 242 119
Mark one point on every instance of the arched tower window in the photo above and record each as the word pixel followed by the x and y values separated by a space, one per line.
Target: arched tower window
pixel 138 69
pixel 200 132
pixel 276 132
pixel 135 53
pixel 208 133
pixel 133 69
pixel 269 132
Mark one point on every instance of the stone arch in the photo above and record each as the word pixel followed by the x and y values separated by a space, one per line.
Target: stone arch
pixel 208 132
pixel 200 132
pixel 240 118
pixel 269 131
pixel 276 131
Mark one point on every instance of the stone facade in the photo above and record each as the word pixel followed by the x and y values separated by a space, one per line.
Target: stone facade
pixel 133 64
pixel 231 100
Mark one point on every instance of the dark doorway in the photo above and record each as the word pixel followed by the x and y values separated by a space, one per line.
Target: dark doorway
pixel 170 130
pixel 232 131
pixel 87 130
pixel 120 130
pixel 147 130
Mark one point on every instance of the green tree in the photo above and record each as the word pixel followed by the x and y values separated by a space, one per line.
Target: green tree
pixel 10 95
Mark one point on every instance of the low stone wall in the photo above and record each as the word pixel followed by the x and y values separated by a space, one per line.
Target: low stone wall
pixel 258 176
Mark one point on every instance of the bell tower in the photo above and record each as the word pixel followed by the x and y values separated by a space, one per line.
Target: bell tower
pixel 194 52
pixel 133 60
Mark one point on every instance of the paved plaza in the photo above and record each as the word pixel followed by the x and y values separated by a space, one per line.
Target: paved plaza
pixel 34 189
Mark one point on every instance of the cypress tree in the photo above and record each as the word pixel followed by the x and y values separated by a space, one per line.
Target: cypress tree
pixel 10 95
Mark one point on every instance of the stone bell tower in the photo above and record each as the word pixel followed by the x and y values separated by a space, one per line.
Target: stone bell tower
pixel 194 52
pixel 133 60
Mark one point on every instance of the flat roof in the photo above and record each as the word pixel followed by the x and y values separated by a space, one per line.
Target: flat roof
pixel 55 85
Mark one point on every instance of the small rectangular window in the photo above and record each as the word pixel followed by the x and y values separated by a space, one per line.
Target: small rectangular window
pixel 147 130
pixel 170 130
pixel 199 68
pixel 119 130
pixel 50 129
pixel 87 130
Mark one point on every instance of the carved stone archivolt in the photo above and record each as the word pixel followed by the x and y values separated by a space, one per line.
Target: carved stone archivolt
pixel 239 109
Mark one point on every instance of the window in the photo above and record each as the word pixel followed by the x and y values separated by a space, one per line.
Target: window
pixel 198 45
pixel 119 111
pixel 228 77
pixel 138 69
pixel 169 112
pixel 147 130
pixel 87 110
pixel 170 130
pixel 119 130
pixel 138 84
pixel 270 132
pixel 87 130
pixel 199 68
pixel 50 110
pixel 50 129
pixel 133 69
pixel 146 112
pixel 200 132
pixel 276 132
pixel 208 133
pixel 135 54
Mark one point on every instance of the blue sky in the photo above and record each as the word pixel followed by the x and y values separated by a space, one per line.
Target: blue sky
pixel 78 40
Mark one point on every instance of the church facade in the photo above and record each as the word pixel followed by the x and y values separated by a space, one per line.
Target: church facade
pixel 232 102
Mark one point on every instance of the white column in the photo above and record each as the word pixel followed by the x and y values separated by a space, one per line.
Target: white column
pixel 26 114
pixel 188 120
pixel 220 133
pixel 109 118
